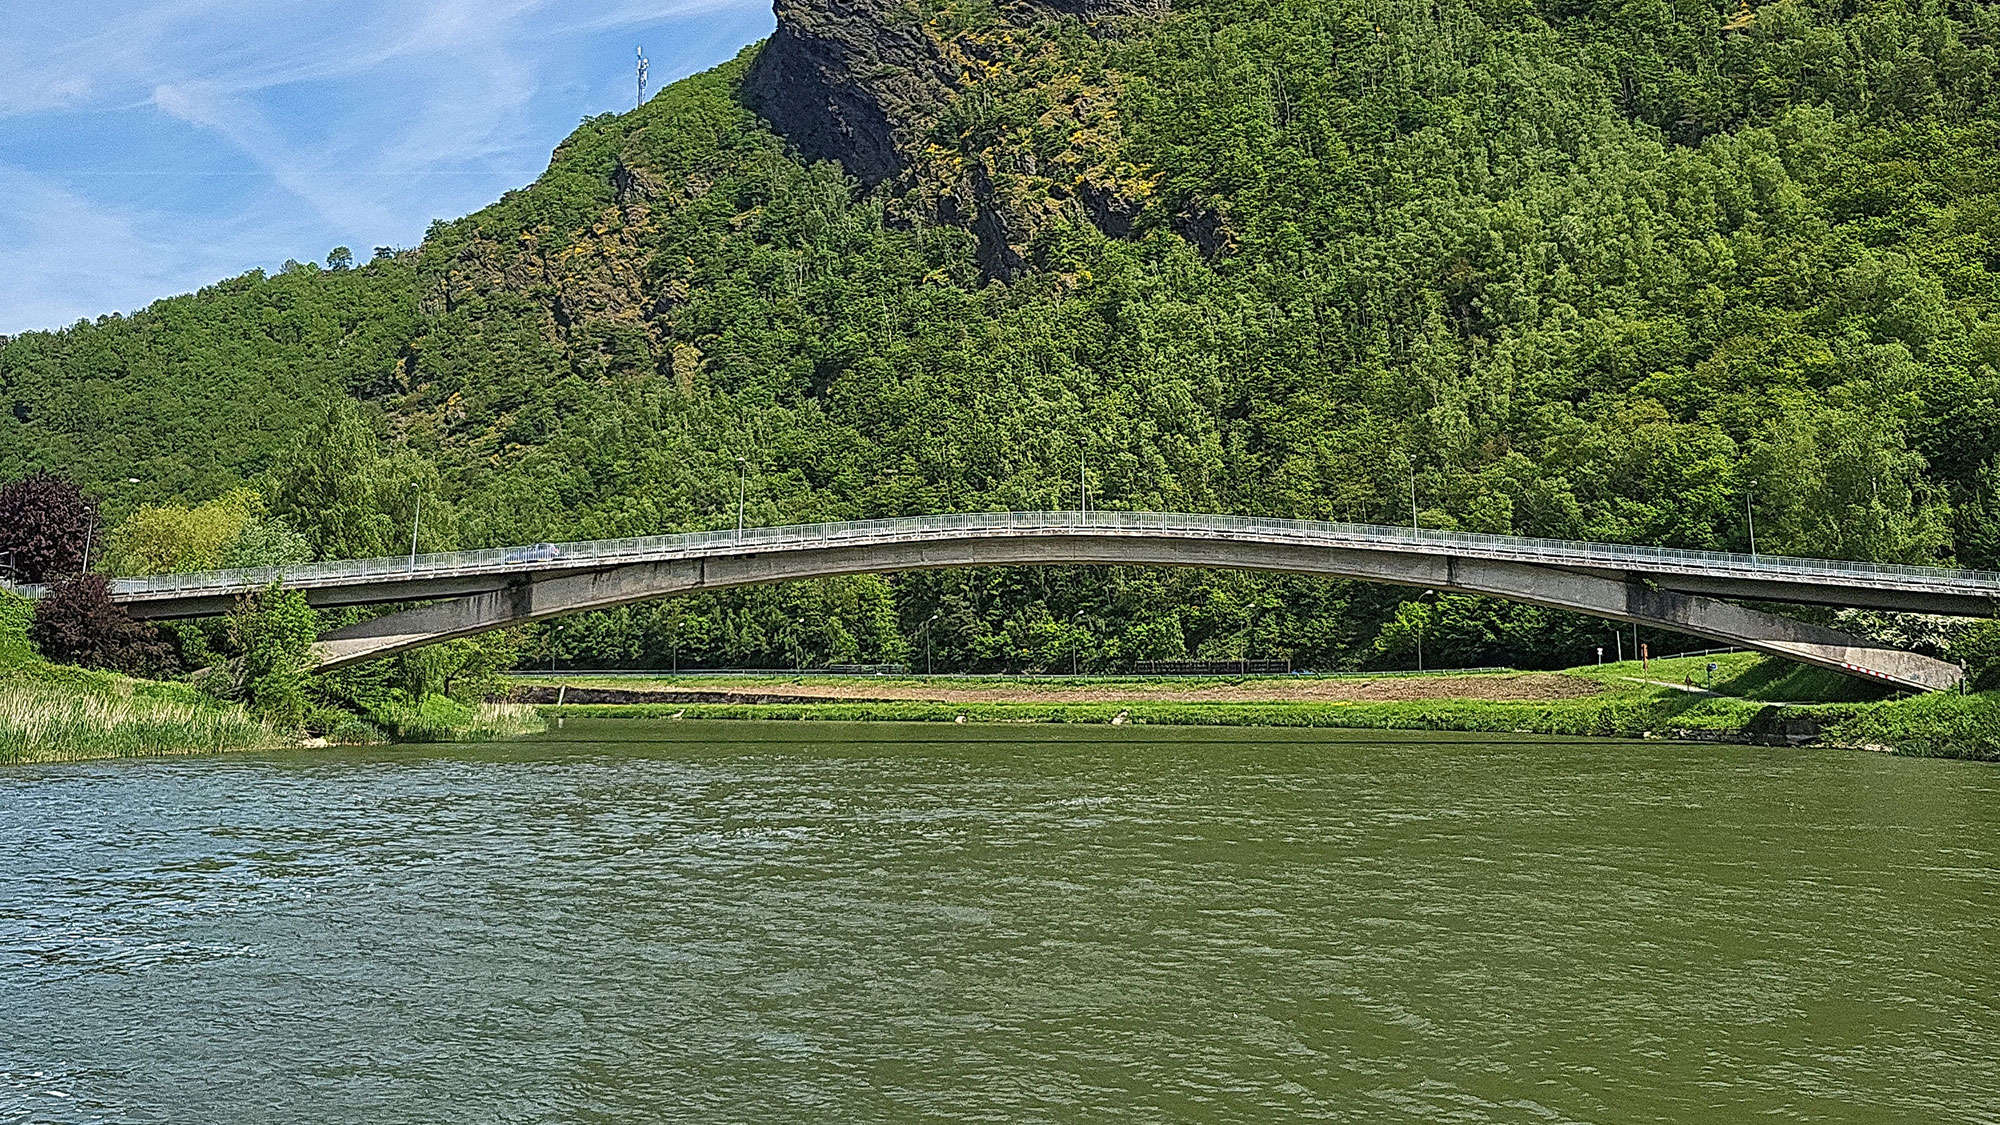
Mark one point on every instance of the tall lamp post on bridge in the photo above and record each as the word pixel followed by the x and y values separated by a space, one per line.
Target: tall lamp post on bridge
pixel 742 491
pixel 1410 463
pixel 1750 516
pixel 416 522
pixel 89 537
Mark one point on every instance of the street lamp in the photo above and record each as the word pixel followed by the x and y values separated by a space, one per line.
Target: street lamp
pixel 1075 647
pixel 416 522
pixel 1411 464
pixel 89 537
pixel 1750 516
pixel 742 491
pixel 928 622
pixel 1082 482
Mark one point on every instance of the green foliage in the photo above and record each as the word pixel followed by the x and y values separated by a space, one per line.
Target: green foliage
pixel 351 500
pixel 164 539
pixel 1930 726
pixel 465 671
pixel 271 635
pixel 52 713
pixel 437 718
pixel 1977 649
pixel 17 614
pixel 266 542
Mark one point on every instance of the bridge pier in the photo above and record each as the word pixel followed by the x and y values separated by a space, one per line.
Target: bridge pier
pixel 1610 595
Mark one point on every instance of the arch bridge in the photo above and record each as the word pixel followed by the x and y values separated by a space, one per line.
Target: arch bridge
pixel 470 592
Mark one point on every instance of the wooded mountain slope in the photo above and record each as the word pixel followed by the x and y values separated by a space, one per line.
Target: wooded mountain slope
pixel 1583 269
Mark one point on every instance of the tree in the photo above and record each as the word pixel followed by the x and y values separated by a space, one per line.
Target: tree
pixel 161 539
pixel 267 541
pixel 46 525
pixel 465 670
pixel 325 486
pixel 78 623
pixel 273 632
pixel 340 259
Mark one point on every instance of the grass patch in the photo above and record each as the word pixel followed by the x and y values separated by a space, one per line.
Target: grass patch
pixel 1925 726
pixel 1756 699
pixel 436 718
pixel 52 714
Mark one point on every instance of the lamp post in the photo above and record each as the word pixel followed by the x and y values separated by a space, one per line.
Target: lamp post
pixel 928 622
pixel 1750 516
pixel 416 522
pixel 742 491
pixel 1414 529
pixel 1075 647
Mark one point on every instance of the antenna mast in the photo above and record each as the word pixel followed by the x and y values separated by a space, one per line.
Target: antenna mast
pixel 644 68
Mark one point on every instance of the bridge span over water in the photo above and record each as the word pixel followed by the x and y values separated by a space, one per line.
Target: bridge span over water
pixel 470 592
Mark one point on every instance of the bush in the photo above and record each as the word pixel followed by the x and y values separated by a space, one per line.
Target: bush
pixel 273 632
pixel 46 524
pixel 78 623
pixel 17 615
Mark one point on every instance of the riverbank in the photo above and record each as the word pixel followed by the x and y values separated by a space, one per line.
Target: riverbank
pixel 1747 698
pixel 51 713
pixel 55 713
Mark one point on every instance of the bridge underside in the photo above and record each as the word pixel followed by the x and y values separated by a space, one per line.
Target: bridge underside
pixel 1610 595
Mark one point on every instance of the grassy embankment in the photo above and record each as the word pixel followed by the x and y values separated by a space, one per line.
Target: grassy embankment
pixel 1753 698
pixel 50 713
pixel 53 713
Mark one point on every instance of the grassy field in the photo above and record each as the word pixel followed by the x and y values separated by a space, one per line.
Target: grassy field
pixel 49 713
pixel 1751 698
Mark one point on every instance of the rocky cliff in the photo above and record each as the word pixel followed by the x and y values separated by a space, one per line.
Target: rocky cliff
pixel 895 92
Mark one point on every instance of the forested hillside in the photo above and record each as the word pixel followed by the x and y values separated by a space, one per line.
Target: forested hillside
pixel 1588 270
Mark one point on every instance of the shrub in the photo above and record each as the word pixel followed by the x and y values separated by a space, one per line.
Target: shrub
pixel 273 632
pixel 78 623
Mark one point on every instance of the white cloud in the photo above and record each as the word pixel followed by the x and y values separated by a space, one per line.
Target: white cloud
pixel 64 258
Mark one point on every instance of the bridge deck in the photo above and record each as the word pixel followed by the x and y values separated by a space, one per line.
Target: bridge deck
pixel 1763 577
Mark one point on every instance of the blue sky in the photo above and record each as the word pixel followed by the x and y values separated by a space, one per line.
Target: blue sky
pixel 150 147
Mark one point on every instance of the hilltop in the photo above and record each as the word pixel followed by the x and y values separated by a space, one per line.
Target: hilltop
pixel 1565 269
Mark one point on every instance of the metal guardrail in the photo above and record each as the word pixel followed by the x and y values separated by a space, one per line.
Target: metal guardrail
pixel 657 548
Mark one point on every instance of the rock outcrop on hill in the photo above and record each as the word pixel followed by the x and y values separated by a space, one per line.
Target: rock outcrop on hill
pixel 868 84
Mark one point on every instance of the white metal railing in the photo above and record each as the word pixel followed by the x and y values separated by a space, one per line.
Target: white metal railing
pixel 594 554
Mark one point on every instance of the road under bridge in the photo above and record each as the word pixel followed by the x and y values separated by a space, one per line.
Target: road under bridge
pixel 469 592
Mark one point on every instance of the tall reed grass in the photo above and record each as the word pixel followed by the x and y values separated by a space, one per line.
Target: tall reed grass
pixel 44 721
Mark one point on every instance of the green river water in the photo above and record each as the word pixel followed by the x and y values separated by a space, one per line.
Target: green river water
pixel 776 922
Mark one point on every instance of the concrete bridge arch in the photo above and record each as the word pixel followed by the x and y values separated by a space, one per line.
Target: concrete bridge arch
pixel 566 585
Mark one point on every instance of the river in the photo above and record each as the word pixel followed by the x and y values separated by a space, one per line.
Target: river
pixel 777 922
